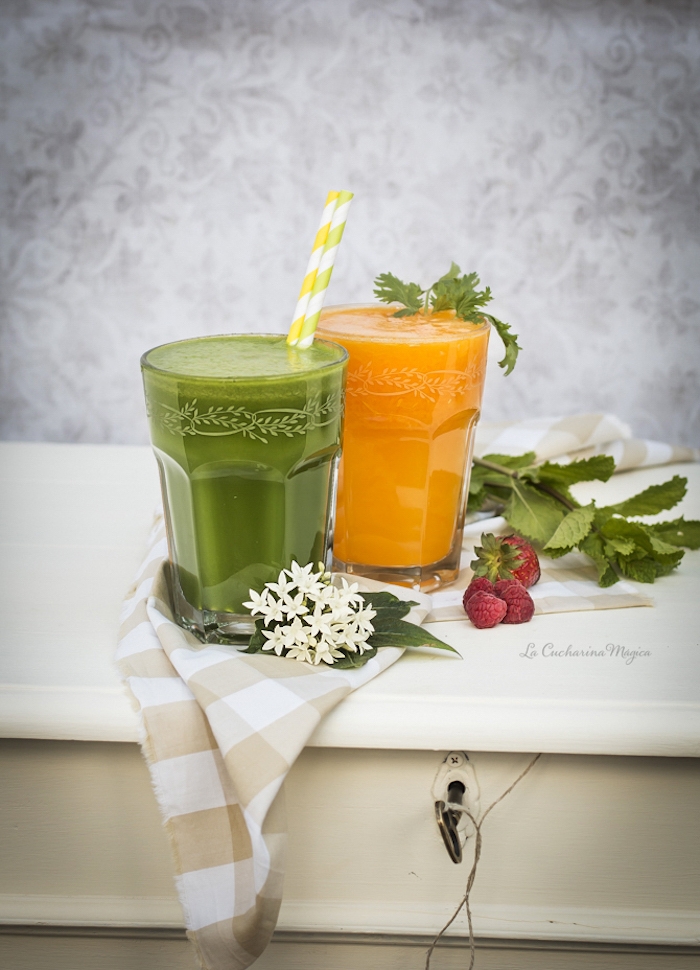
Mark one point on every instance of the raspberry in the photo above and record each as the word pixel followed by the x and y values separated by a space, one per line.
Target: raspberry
pixel 504 584
pixel 485 610
pixel 519 604
pixel 480 583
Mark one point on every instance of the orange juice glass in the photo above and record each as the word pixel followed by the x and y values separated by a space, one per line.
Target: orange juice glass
pixel 413 397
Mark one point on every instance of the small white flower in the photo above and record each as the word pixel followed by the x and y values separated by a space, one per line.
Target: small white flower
pixel 327 653
pixel 319 621
pixel 258 602
pixel 303 652
pixel 363 618
pixel 294 606
pixel 275 612
pixel 349 591
pixel 325 595
pixel 283 586
pixel 307 581
pixel 275 640
pixel 311 619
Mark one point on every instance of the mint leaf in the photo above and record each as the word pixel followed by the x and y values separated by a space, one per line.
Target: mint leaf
pixel 509 461
pixel 655 499
pixel 598 468
pixel 680 532
pixel 533 514
pixel 572 529
pixel 594 547
pixel 625 547
pixel 641 570
pixel 390 289
pixel 536 501
pixel 647 541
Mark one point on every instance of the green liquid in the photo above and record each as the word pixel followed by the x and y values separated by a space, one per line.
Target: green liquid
pixel 247 434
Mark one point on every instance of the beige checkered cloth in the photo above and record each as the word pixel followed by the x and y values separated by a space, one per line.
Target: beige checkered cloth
pixel 578 436
pixel 220 729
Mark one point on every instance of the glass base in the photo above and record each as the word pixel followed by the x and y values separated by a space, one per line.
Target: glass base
pixel 426 579
pixel 208 626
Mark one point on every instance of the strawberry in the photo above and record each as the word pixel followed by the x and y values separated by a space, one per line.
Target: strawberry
pixel 529 571
pixel 485 610
pixel 480 583
pixel 519 604
pixel 506 557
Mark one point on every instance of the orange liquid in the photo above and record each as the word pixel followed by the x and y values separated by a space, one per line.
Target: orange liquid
pixel 413 397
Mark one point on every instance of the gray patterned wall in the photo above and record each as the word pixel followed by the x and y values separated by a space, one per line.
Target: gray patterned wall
pixel 164 165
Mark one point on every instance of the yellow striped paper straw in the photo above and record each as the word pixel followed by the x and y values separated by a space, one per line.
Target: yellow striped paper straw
pixel 318 293
pixel 312 268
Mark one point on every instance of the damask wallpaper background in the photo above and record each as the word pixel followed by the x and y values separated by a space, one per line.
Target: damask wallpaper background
pixel 164 165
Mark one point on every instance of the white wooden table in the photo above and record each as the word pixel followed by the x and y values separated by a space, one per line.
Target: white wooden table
pixel 598 848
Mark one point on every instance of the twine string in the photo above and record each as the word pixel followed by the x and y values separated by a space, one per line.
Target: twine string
pixel 464 901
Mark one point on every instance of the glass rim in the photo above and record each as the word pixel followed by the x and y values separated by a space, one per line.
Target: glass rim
pixel 484 324
pixel 147 365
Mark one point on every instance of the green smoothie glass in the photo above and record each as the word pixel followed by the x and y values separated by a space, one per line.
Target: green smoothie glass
pixel 247 435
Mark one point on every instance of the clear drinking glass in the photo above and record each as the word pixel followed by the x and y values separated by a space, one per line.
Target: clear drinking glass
pixel 247 435
pixel 413 397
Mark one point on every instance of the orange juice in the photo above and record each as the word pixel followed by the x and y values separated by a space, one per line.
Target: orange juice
pixel 413 398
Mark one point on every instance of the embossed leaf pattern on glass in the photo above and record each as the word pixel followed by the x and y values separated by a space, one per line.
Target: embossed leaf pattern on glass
pixel 256 425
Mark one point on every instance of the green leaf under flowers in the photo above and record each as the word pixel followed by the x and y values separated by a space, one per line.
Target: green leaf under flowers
pixel 451 292
pixel 387 604
pixel 655 499
pixel 572 529
pixel 353 660
pixel 404 634
pixel 257 640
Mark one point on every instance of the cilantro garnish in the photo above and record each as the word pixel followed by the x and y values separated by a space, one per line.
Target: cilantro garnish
pixel 451 292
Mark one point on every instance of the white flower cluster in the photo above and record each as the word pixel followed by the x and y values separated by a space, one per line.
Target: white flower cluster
pixel 311 620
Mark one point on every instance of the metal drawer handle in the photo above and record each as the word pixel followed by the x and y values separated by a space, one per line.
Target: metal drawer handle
pixel 447 816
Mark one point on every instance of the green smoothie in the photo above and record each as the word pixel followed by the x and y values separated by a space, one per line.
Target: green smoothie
pixel 247 433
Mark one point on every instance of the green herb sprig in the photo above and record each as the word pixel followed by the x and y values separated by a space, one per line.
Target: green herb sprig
pixel 452 291
pixel 536 501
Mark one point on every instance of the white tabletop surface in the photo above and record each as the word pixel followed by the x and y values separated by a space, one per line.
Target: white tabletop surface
pixel 73 522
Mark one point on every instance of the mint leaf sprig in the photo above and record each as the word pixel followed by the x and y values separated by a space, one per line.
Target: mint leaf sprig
pixel 452 291
pixel 536 501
